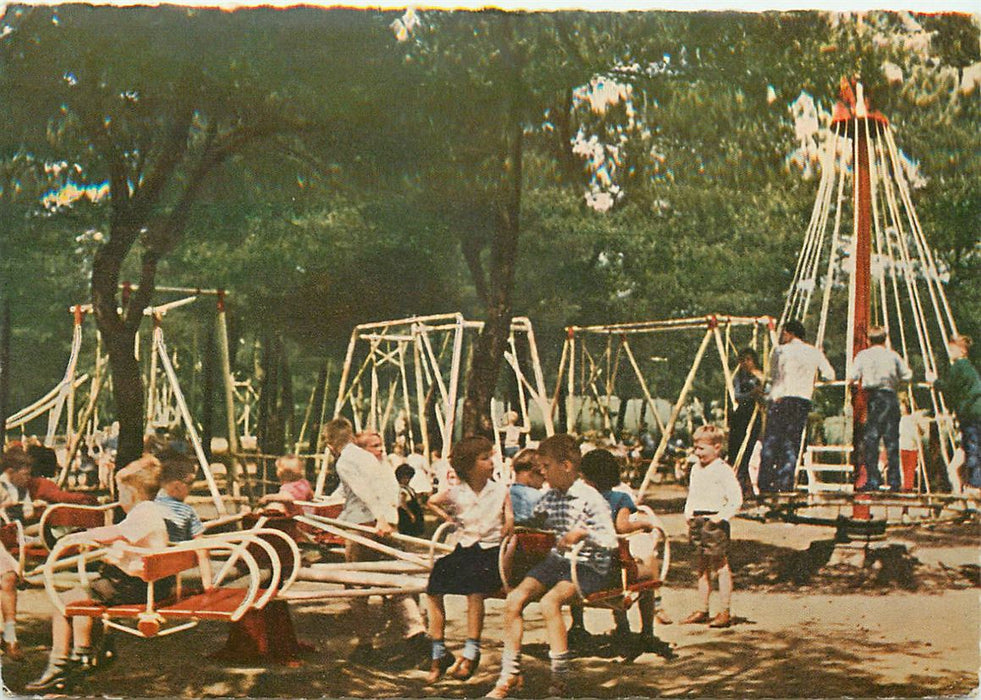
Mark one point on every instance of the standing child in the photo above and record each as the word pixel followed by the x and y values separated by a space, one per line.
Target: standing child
pixel 118 581
pixel 714 496
pixel 481 509
pixel 575 512
pixel 411 520
pixel 601 469
pixel 294 485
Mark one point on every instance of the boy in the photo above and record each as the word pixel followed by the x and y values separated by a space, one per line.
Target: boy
pixel 411 519
pixel 183 523
pixel 529 477
pixel 714 496
pixel 118 581
pixel 576 512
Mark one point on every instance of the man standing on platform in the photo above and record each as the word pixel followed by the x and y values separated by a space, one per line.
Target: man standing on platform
pixel 881 372
pixel 793 366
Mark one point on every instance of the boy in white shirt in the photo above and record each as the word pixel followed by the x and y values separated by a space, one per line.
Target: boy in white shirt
pixel 714 496
pixel 119 579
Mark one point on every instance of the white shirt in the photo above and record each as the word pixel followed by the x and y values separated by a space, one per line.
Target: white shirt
pixel 714 489
pixel 370 489
pixel 422 480
pixel 11 495
pixel 878 367
pixel 479 516
pixel 143 527
pixel 794 365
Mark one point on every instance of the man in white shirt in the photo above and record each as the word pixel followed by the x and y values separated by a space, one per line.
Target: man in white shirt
pixel 371 497
pixel 793 366
pixel 881 372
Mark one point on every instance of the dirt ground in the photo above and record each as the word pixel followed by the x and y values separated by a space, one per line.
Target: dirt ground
pixel 906 629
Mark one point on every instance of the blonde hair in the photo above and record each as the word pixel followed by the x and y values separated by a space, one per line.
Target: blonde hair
pixel 709 433
pixel 289 466
pixel 361 439
pixel 964 342
pixel 142 475
pixel 338 433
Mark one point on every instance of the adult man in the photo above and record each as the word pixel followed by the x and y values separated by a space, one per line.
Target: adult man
pixel 793 366
pixel 371 496
pixel 880 371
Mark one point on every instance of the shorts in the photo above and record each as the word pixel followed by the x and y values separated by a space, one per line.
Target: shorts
pixel 554 568
pixel 113 586
pixel 710 539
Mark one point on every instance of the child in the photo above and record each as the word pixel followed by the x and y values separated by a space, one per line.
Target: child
pixel 528 480
pixel 294 487
pixel 183 523
pixel 411 520
pixel 481 508
pixel 714 496
pixel 602 471
pixel 576 512
pixel 118 581
pixel 512 434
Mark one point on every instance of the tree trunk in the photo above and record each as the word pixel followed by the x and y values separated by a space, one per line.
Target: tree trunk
pixel 127 387
pixel 493 341
pixel 4 367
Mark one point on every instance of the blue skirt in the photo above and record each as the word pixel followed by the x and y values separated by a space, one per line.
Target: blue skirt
pixel 466 570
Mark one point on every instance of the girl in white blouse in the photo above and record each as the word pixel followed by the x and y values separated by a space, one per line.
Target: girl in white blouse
pixel 481 510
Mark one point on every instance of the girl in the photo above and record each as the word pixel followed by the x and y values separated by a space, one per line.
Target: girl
pixel 481 509
pixel 602 469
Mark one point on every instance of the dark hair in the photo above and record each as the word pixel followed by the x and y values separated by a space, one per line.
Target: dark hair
pixel 404 471
pixel 877 335
pixel 561 447
pixel 751 354
pixel 175 466
pixel 465 453
pixel 525 460
pixel 795 328
pixel 15 457
pixel 45 461
pixel 602 468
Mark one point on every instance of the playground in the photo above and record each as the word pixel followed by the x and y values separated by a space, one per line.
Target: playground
pixel 840 636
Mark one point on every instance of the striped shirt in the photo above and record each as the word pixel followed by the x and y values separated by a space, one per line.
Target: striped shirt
pixel 182 521
pixel 581 506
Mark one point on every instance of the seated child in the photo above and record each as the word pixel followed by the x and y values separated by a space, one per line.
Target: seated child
pixel 183 523
pixel 411 520
pixel 294 486
pixel 601 469
pixel 576 512
pixel 481 509
pixel 118 581
pixel 714 496
pixel 528 480
pixel 44 467
pixel 15 480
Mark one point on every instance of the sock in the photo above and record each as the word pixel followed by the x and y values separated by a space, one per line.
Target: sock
pixel 79 652
pixel 471 649
pixel 439 649
pixel 9 631
pixel 510 663
pixel 560 663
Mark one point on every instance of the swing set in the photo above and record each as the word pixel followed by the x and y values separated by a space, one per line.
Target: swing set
pixel 594 357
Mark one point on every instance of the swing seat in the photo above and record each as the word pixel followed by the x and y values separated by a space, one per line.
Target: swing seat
pixel 183 608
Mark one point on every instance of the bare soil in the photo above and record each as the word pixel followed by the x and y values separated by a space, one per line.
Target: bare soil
pixel 906 625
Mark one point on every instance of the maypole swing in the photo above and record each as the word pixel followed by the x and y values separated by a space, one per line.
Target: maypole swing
pixel 591 373
pixel 890 273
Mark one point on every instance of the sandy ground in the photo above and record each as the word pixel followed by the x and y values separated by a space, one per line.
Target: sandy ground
pixel 833 637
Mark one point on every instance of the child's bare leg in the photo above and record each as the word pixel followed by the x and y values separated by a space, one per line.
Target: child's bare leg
pixel 61 626
pixel 475 615
pixel 704 587
pixel 8 597
pixel 558 647
pixel 82 632
pixel 725 583
pixel 437 616
pixel 528 590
